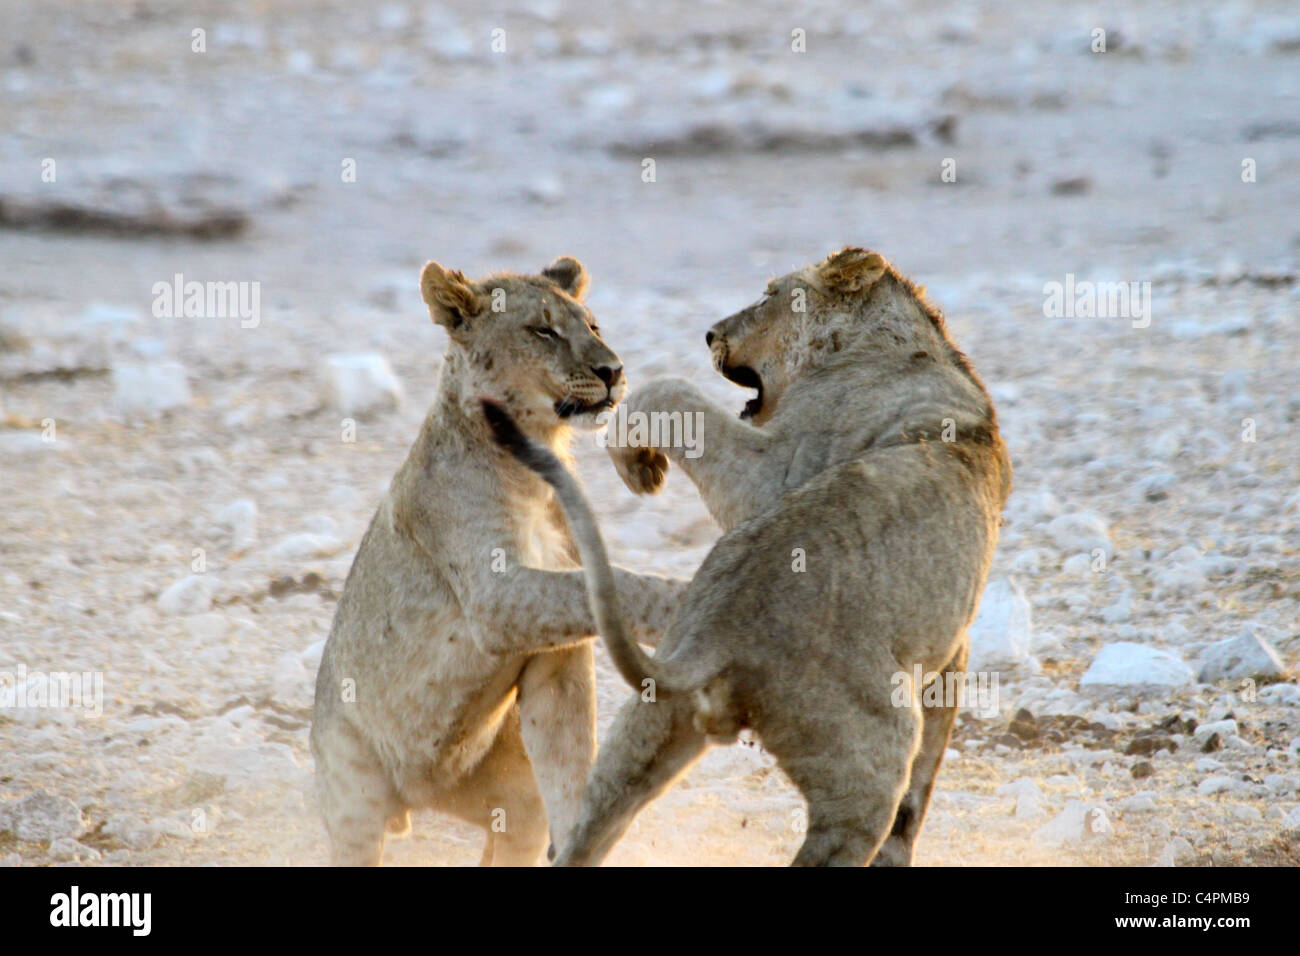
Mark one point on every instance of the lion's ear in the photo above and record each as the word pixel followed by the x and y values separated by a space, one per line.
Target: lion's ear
pixel 851 269
pixel 568 273
pixel 451 298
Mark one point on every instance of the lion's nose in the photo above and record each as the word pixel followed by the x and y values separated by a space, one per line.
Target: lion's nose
pixel 610 376
pixel 709 337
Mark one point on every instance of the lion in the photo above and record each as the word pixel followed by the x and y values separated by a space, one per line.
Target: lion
pixel 458 674
pixel 860 494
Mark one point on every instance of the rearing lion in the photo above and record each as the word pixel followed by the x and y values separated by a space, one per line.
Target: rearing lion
pixel 458 673
pixel 861 496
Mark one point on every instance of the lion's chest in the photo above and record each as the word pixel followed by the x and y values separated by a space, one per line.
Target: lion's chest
pixel 542 540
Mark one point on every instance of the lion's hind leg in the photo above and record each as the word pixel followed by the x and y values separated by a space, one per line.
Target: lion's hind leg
pixel 851 765
pixel 901 844
pixel 356 797
pixel 650 745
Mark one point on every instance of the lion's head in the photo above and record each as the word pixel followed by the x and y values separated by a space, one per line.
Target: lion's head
pixel 528 342
pixel 852 299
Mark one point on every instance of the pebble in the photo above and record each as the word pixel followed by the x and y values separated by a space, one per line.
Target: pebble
pixel 1083 531
pixel 359 384
pixel 144 392
pixel 132 831
pixel 1129 665
pixel 239 519
pixel 192 594
pixel 1142 802
pixel 42 817
pixel 1246 655
pixel 1002 632
pixel 1220 784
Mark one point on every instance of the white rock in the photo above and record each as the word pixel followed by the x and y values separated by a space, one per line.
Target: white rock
pixel 207 628
pixel 1175 851
pixel 190 595
pixel 321 524
pixel 1077 566
pixel 1127 665
pixel 1141 802
pixel 42 817
pixel 1220 784
pixel 1224 728
pixel 67 849
pixel 1246 655
pixel 312 655
pixel 1077 823
pixel 1284 694
pixel 1020 787
pixel 239 518
pixel 1029 807
pixel 1041 506
pixel 1080 532
pixel 1120 611
pixel 1246 813
pixel 1029 561
pixel 357 384
pixel 135 833
pixel 147 391
pixel 1292 822
pixel 306 545
pixel 1002 632
pixel 1179 580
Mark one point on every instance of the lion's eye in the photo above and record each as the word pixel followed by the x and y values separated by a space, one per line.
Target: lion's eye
pixel 542 332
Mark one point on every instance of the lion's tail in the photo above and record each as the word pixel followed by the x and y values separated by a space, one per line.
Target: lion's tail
pixel 632 662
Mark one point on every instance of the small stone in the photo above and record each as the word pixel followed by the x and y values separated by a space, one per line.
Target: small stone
pixel 239 518
pixel 1246 655
pixel 1134 666
pixel 306 545
pixel 1291 825
pixel 148 391
pixel 42 817
pixel 67 849
pixel 1081 532
pixel 358 384
pixel 1077 823
pixel 1175 851
pixel 1225 728
pixel 190 595
pixel 135 833
pixel 1212 785
pixel 1002 632
pixel 1141 770
pixel 1142 802
pixel 1245 813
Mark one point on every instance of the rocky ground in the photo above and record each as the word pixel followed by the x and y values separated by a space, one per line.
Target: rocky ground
pixel 183 495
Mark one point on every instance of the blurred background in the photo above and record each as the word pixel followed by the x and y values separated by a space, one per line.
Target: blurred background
pixel 315 154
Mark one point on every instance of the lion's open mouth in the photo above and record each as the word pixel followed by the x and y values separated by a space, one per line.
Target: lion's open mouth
pixel 569 406
pixel 746 377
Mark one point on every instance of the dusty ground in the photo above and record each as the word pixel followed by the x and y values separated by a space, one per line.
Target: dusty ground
pixel 1124 165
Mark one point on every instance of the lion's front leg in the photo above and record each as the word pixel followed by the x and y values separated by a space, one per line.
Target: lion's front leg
pixel 728 460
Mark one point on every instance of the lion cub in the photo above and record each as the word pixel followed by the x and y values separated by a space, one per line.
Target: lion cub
pixel 861 493
pixel 458 673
